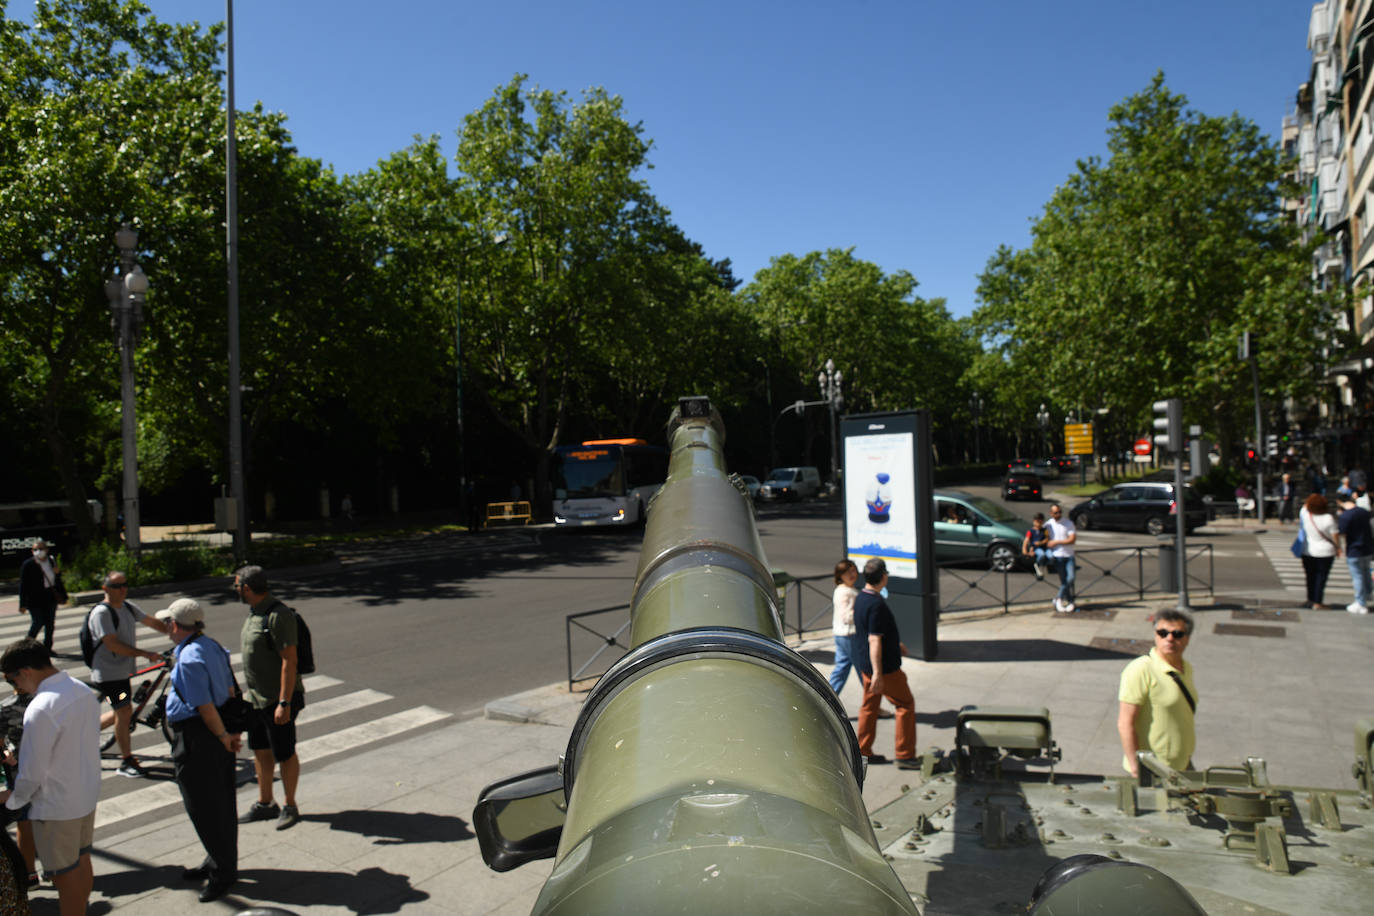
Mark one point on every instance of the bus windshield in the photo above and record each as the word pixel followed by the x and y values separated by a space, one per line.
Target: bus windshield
pixel 581 472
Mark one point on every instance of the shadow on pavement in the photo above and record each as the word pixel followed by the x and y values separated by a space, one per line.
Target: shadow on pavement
pixel 1022 650
pixel 372 890
pixel 395 827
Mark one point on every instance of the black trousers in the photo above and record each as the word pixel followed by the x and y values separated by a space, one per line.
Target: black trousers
pixel 205 775
pixel 1317 570
pixel 43 617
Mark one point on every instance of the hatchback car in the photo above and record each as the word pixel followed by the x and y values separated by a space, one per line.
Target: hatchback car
pixel 969 527
pixel 1022 485
pixel 1141 506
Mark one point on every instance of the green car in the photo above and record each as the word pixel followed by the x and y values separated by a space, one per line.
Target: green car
pixel 970 528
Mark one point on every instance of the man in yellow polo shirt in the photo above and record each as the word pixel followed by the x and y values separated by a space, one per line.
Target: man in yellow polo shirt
pixel 1158 698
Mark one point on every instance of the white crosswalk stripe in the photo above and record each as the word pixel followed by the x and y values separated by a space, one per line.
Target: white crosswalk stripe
pixel 1276 546
pixel 323 733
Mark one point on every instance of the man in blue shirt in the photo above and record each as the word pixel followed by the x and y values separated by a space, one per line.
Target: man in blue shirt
pixel 876 650
pixel 1359 547
pixel 203 750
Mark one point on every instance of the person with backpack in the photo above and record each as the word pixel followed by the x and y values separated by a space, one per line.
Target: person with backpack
pixel 272 685
pixel 110 635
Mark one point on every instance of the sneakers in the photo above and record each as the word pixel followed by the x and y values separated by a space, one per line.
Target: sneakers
pixel 908 763
pixel 876 759
pixel 1040 570
pixel 1355 607
pixel 260 812
pixel 131 768
pixel 289 817
pixel 1065 607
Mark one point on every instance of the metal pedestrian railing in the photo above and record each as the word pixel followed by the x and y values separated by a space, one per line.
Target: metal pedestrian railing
pixel 1102 572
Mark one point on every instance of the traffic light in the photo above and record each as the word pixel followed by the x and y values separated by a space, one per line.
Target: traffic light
pixel 1271 445
pixel 1169 422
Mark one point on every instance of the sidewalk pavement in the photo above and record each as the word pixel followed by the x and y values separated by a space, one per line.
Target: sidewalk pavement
pixel 389 830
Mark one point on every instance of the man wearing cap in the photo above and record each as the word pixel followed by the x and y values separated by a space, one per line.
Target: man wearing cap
pixel 273 686
pixel 38 590
pixel 116 655
pixel 59 769
pixel 203 749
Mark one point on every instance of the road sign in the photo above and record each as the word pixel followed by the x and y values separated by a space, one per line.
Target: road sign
pixel 1078 438
pixel 1143 446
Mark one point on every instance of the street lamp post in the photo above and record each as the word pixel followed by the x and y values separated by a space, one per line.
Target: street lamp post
pixel 1043 419
pixel 125 291
pixel 830 379
pixel 497 242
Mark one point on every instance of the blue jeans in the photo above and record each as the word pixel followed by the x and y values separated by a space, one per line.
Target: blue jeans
pixel 1066 573
pixel 840 673
pixel 1359 578
pixel 1043 557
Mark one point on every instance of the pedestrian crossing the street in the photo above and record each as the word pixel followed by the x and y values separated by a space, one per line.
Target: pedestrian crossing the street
pixel 1277 545
pixel 338 718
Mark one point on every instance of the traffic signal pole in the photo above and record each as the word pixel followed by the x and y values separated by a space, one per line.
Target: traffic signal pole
pixel 1169 420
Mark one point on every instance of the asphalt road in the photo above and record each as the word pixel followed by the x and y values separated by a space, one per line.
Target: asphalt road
pixel 454 621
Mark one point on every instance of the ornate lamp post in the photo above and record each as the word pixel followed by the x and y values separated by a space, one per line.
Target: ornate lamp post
pixel 125 290
pixel 830 379
pixel 1043 419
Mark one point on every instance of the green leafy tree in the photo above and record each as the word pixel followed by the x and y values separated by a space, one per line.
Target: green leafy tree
pixel 95 101
pixel 560 180
pixel 1144 269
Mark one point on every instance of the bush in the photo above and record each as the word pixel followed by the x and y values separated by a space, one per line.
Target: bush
pixel 170 561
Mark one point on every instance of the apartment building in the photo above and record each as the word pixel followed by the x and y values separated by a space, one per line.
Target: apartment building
pixel 1330 137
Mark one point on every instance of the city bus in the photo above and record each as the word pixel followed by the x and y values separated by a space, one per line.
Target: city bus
pixel 606 481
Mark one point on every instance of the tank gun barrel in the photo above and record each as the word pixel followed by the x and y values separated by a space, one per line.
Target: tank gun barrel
pixel 712 769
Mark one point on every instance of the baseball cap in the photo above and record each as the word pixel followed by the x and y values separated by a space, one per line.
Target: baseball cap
pixel 185 611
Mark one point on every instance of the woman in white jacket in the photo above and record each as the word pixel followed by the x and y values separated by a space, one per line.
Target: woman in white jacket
pixel 846 575
pixel 1321 548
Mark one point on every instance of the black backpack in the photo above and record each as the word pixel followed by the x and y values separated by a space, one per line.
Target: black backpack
pixel 305 647
pixel 87 638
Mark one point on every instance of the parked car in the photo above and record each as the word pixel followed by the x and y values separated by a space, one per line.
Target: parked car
pixel 969 527
pixel 751 483
pixel 1141 506
pixel 23 524
pixel 791 483
pixel 1021 485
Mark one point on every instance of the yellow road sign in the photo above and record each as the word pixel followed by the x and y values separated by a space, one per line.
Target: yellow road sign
pixel 1078 438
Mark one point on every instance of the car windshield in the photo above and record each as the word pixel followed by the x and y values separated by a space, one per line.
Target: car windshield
pixel 991 509
pixel 781 477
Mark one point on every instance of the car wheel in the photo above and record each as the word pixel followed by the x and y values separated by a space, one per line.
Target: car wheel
pixel 1081 520
pixel 1154 525
pixel 1001 557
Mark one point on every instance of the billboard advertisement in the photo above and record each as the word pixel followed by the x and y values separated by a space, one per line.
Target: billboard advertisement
pixel 879 496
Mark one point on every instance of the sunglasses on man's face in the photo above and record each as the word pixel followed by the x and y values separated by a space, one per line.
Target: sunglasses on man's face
pixel 1176 634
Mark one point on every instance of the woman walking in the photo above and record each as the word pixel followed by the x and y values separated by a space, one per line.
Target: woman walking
pixel 1321 547
pixel 842 625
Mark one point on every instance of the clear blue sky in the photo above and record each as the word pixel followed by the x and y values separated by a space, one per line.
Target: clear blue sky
pixel 922 134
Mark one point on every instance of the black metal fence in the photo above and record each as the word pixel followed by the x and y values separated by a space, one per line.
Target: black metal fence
pixel 1101 572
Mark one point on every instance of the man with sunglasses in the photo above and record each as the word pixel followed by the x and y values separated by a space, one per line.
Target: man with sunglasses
pixel 59 768
pixel 1158 698
pixel 116 657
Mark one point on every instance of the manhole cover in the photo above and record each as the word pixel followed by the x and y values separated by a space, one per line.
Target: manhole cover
pixel 1248 629
pixel 1274 616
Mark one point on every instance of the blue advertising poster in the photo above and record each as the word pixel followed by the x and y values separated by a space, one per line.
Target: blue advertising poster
pixel 880 499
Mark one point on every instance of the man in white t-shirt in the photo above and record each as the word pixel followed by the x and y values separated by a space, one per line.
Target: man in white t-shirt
pixel 1063 534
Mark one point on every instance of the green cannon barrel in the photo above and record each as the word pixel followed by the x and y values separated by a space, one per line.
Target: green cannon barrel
pixel 712 769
